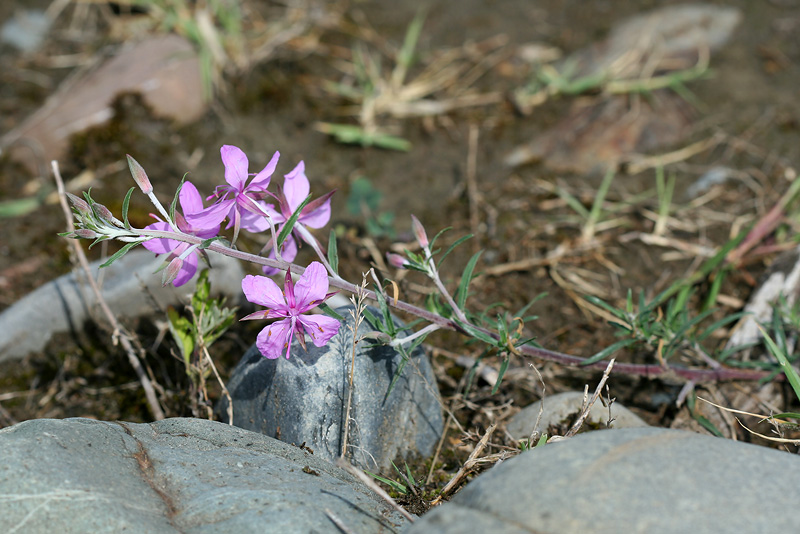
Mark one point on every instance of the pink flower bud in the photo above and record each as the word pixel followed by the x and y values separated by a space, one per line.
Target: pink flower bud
pixel 396 260
pixel 104 213
pixel 137 171
pixel 419 232
pixel 79 204
pixel 171 272
pixel 85 233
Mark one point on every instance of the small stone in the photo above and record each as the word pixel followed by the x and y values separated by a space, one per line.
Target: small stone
pixel 633 480
pixel 176 475
pixel 304 399
pixel 563 409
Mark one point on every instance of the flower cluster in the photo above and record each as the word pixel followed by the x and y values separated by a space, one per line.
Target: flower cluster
pixel 243 202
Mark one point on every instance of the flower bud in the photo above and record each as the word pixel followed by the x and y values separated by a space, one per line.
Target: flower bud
pixel 396 260
pixel 137 171
pixel 104 213
pixel 419 232
pixel 79 204
pixel 85 233
pixel 171 272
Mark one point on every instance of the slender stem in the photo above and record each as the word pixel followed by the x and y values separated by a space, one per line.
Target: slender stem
pixel 645 370
pixel 422 332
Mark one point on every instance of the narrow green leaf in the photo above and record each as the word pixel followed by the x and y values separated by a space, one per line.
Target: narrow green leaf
pixel 289 225
pixel 330 312
pixel 439 233
pixel 333 252
pixel 121 252
pixel 500 373
pixel 466 278
pixel 451 248
pixel 608 351
pixel 125 204
pixel 174 202
pixel 608 307
pixel 788 370
pixel 478 334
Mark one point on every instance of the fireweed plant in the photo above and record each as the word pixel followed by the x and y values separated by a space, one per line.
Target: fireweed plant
pixel 287 214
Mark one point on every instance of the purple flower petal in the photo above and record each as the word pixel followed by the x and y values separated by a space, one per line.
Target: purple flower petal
pixel 273 339
pixel 263 291
pixel 261 180
pixel 190 199
pixel 296 186
pixel 319 217
pixel 212 215
pixel 310 290
pixel 187 270
pixel 320 328
pixel 254 223
pixel 160 245
pixel 236 165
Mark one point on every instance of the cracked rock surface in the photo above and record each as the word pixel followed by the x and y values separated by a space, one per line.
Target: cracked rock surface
pixel 632 480
pixel 177 475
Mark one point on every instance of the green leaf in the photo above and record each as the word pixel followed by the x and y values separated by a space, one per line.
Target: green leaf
pixel 125 204
pixel 333 252
pixel 438 234
pixel 207 242
pixel 287 228
pixel 691 399
pixel 330 312
pixel 503 368
pixel 181 330
pixel 452 247
pixel 18 207
pixel 121 252
pixel 788 370
pixel 608 351
pixel 608 307
pixel 174 202
pixel 466 278
pixel 478 334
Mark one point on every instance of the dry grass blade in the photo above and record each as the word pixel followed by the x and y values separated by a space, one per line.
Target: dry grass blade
pixel 587 404
pixel 465 469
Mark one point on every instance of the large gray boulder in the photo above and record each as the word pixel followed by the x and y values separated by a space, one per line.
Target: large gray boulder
pixel 633 480
pixel 129 287
pixel 303 399
pixel 177 475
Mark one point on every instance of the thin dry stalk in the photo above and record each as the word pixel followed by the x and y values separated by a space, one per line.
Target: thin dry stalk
pixel 367 480
pixel 119 333
pixel 358 316
pixel 338 522
pixel 468 465
pixel 587 404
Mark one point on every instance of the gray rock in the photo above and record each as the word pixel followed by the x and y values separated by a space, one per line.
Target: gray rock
pixel 631 480
pixel 177 475
pixel 129 286
pixel 565 407
pixel 303 399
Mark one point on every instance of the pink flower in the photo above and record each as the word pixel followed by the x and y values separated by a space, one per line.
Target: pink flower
pixel 290 305
pixel 191 202
pixel 241 202
pixel 315 214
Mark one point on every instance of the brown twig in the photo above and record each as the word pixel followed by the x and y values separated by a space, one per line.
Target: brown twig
pixel 119 333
